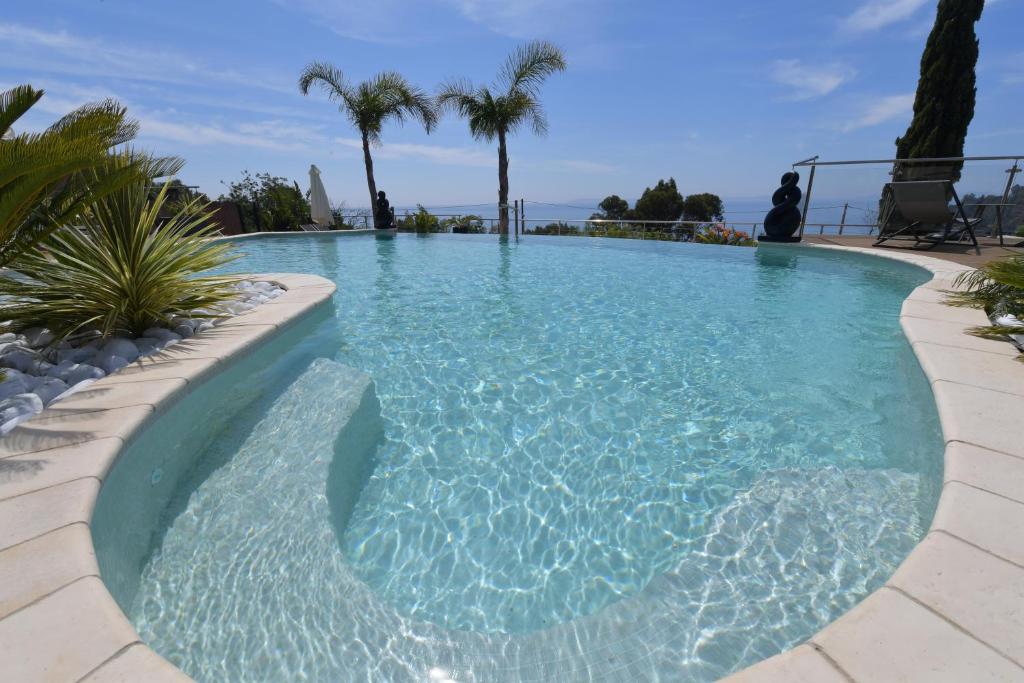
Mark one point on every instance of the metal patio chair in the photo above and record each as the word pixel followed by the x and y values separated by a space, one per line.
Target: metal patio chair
pixel 925 206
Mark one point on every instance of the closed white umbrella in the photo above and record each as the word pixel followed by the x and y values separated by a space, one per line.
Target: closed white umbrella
pixel 319 207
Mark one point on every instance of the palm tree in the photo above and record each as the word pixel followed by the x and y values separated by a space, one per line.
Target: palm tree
pixel 368 105
pixel 512 100
pixel 47 179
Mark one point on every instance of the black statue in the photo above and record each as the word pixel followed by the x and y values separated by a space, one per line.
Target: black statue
pixel 784 218
pixel 383 220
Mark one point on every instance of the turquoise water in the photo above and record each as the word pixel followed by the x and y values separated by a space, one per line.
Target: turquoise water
pixel 565 459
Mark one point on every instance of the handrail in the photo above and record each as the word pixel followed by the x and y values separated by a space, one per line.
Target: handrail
pixel 814 162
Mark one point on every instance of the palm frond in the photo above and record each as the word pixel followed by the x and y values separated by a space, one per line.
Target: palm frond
pixel 529 65
pixel 329 78
pixel 14 103
pixel 43 181
pixel 123 271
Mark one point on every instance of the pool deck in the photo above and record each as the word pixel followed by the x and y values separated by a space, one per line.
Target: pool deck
pixel 954 610
pixel 962 254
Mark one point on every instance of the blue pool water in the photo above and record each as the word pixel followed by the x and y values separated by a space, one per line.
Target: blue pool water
pixel 562 459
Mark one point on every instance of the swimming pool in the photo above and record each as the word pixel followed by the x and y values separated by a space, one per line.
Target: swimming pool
pixel 567 458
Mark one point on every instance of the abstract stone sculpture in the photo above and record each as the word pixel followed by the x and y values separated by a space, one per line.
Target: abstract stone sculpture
pixel 784 218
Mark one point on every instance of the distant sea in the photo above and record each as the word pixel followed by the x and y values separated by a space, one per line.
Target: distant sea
pixel 740 212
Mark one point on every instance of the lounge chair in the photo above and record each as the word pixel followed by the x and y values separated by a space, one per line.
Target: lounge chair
pixel 309 227
pixel 924 205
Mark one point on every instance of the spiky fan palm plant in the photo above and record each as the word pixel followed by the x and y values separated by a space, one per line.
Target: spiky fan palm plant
pixel 124 269
pixel 998 288
pixel 43 182
pixel 385 97
pixel 513 100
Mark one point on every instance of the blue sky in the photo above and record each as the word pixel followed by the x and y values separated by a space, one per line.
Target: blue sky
pixel 721 95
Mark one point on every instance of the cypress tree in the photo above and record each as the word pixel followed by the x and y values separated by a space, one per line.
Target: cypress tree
pixel 944 104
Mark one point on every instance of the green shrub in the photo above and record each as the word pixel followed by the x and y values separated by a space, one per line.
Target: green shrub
pixel 122 271
pixel 998 288
pixel 421 221
pixel 720 234
pixel 43 183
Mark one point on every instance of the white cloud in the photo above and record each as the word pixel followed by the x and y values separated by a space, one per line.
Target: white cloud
pixel 387 22
pixel 882 110
pixel 452 156
pixel 271 135
pixel 876 14
pixel 809 81
pixel 23 47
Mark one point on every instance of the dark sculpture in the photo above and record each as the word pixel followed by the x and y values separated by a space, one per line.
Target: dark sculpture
pixel 784 218
pixel 383 220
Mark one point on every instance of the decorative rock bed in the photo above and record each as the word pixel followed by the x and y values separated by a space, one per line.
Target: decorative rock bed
pixel 38 373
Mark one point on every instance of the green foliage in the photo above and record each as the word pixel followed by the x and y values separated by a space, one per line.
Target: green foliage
pixel 47 179
pixel 513 100
pixel 663 202
pixel 369 105
pixel 720 234
pixel 944 104
pixel 268 202
pixel 470 224
pixel 1012 215
pixel 704 207
pixel 1020 231
pixel 122 271
pixel 998 288
pixel 422 221
pixel 613 208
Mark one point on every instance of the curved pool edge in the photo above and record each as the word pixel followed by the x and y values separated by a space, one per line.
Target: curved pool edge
pixel 954 609
pixel 55 611
pixel 951 610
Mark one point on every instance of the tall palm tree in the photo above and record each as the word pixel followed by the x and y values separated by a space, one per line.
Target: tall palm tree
pixel 512 100
pixel 368 105
pixel 47 179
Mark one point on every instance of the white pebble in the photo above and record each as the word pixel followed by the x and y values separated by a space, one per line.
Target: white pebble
pixel 83 372
pixel 37 336
pixel 48 389
pixel 13 384
pixel 162 334
pixel 121 347
pixel 17 409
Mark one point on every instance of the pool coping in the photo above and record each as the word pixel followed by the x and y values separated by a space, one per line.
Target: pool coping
pixel 58 622
pixel 952 609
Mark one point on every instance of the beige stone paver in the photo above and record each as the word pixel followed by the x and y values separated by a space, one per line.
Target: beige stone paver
pixel 103 395
pixel 272 315
pixel 22 474
pixel 65 635
pixel 985 519
pixel 934 311
pixel 137 664
pixel 802 664
pixel 982 594
pixel 39 512
pixel 47 430
pixel 979 467
pixel 971 367
pixel 190 369
pixel 990 419
pixel 36 568
pixel 955 334
pixel 889 637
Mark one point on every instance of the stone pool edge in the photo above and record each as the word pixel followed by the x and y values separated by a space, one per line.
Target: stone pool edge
pixel 954 609
pixel 58 622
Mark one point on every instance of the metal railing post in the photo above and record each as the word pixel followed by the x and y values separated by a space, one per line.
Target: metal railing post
pixel 1011 173
pixel 807 199
pixel 842 221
